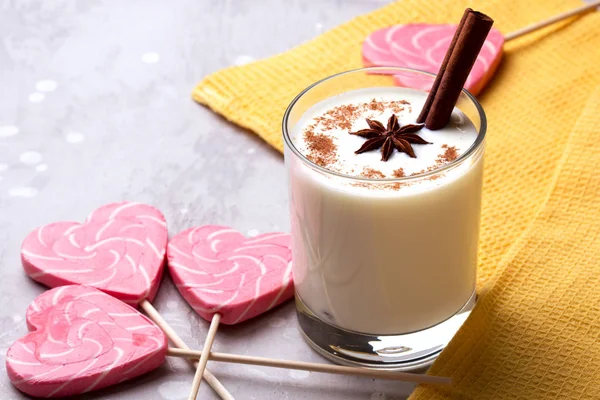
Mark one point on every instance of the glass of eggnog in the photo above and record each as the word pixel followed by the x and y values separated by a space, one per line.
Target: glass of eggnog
pixel 384 215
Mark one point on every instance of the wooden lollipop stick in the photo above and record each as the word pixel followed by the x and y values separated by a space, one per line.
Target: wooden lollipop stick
pixel 210 337
pixel 314 367
pixel 153 314
pixel 550 21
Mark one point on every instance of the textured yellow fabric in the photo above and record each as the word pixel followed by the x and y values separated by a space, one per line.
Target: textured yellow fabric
pixel 535 333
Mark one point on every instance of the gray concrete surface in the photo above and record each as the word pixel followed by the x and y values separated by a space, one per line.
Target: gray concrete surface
pixel 95 107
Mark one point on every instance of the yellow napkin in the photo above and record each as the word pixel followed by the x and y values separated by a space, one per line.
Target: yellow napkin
pixel 535 332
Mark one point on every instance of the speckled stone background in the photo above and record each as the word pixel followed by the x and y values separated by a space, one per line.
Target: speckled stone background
pixel 95 107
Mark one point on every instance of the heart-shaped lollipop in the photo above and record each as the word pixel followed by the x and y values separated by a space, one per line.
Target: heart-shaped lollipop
pixel 423 47
pixel 82 339
pixel 119 249
pixel 218 270
pixel 227 277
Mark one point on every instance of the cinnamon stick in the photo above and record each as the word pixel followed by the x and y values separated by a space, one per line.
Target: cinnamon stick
pixel 438 78
pixel 459 60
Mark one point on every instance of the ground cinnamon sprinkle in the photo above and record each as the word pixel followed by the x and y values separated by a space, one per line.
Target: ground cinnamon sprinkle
pixel 398 105
pixel 429 169
pixel 341 117
pixel 344 116
pixel 395 186
pixel 450 154
pixel 374 105
pixel 321 147
pixel 322 150
pixel 399 173
pixel 372 173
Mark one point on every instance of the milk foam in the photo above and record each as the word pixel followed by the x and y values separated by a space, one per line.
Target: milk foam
pixel 460 133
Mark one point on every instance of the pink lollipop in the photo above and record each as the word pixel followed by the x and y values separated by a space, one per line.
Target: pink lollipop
pixel 119 249
pixel 227 277
pixel 81 340
pixel 423 47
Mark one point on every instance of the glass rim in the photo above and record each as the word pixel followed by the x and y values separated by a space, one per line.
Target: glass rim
pixel 470 151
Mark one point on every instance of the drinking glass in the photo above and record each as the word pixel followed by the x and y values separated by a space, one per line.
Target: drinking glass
pixel 384 269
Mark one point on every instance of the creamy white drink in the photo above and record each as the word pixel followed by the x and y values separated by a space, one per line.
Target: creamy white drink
pixel 383 247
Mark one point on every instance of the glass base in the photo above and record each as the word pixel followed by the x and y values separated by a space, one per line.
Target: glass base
pixel 406 352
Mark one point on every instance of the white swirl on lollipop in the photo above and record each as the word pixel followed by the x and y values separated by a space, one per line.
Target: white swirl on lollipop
pixel 81 340
pixel 218 270
pixel 119 249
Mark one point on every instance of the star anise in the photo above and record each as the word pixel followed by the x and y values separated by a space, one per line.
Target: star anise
pixel 390 137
